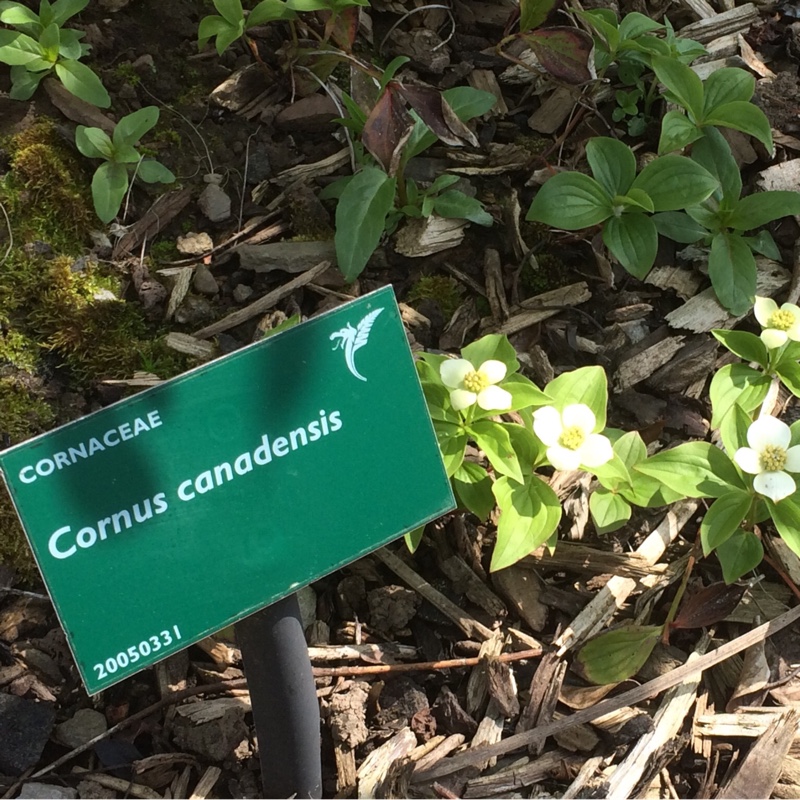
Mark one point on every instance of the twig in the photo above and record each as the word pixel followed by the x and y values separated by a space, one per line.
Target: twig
pixel 10 235
pixel 450 663
pixel 629 698
pixel 414 11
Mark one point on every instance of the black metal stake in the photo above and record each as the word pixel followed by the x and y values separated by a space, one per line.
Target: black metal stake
pixel 284 700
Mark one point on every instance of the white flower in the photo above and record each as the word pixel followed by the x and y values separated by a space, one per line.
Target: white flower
pixel 468 385
pixel 768 456
pixel 569 437
pixel 780 324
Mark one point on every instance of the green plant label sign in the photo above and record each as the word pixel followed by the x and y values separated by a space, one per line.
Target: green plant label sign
pixel 171 514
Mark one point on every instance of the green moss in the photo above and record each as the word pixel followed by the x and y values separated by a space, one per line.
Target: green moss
pixel 24 413
pixel 546 273
pixel 441 288
pixel 17 351
pixel 535 145
pixel 126 73
pixel 164 250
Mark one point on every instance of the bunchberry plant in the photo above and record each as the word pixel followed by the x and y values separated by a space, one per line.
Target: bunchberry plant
pixel 620 200
pixel 110 181
pixel 40 46
pixel 231 23
pixel 721 220
pixel 404 122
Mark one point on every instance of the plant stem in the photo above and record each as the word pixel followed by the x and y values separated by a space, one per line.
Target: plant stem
pixel 673 609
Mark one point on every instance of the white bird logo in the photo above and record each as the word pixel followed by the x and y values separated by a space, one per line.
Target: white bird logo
pixel 351 339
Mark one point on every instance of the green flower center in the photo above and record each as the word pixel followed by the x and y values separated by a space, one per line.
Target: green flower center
pixel 772 458
pixel 781 320
pixel 572 438
pixel 475 381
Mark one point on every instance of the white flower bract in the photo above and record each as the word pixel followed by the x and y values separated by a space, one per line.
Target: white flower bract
pixel 469 385
pixel 770 458
pixel 570 438
pixel 779 324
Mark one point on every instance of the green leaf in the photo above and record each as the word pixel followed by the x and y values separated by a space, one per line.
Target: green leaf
pixel 82 82
pixel 736 384
pixel 268 11
pixel 789 373
pixel 756 210
pixel 49 42
pixel 743 344
pixel 452 443
pixel 677 131
pixel 493 439
pixel 764 244
pixel 630 448
pixel 529 449
pixel 62 10
pixel 613 475
pixel 635 24
pixel 727 85
pixel 109 184
pixel 530 513
pixel 714 153
pixel 733 429
pixel 93 142
pixel 20 50
pixel 132 127
pixel 732 269
pixel 739 554
pixel 532 13
pixel 649 492
pixel 524 393
pixel 16 14
pixel 473 487
pixel 24 83
pixel 679 226
pixel 633 240
pixel 211 26
pixel 675 182
pixel 231 10
pixel 570 201
pixel 468 103
pixel 391 70
pixel 456 205
pixel 609 511
pixel 723 519
pixel 70 46
pixel 125 154
pixel 613 164
pixel 786 516
pixel 744 117
pixel 587 385
pixel 617 655
pixel 682 83
pixel 413 538
pixel 695 469
pixel 151 171
pixel 492 347
pixel 360 218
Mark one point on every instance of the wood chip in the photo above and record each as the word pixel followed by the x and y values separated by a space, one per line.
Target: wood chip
pixel 206 784
pixel 262 304
pixel 382 764
pixel 553 112
pixel 761 767
pixel 75 109
pixel 737 20
pixel 509 781
pixel 637 368
pixel 163 210
pixel 184 343
pixel 539 308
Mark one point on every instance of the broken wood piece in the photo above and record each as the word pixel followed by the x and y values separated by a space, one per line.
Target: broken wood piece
pixel 346 772
pixel 163 210
pixel 128 788
pixel 495 290
pixel 429 235
pixel 576 557
pixel 784 176
pixel 291 257
pixel 667 723
pixel 75 109
pixel 362 652
pixel 611 597
pixel 477 685
pixel 553 112
pixel 700 8
pixel 509 781
pixel 184 343
pixel 635 369
pixel 262 304
pixel 305 172
pixel 490 731
pixel 737 20
pixel 465 581
pixel 206 784
pixel 605 707
pixel 760 768
pixel 748 722
pixel 704 312
pixel 468 624
pixel 441 750
pixel 384 765
pixel 539 308
pixel 486 81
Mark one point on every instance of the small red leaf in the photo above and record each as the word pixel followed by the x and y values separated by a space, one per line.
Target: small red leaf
pixel 566 53
pixel 343 27
pixel 709 606
pixel 387 128
pixel 436 113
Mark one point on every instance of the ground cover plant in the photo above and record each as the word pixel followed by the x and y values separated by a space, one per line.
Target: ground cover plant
pixel 598 291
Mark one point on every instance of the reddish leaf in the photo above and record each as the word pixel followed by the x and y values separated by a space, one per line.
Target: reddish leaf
pixel 343 27
pixel 436 113
pixel 387 129
pixel 709 606
pixel 566 53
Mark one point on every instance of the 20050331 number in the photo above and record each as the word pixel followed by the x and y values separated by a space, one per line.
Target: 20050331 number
pixel 144 649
